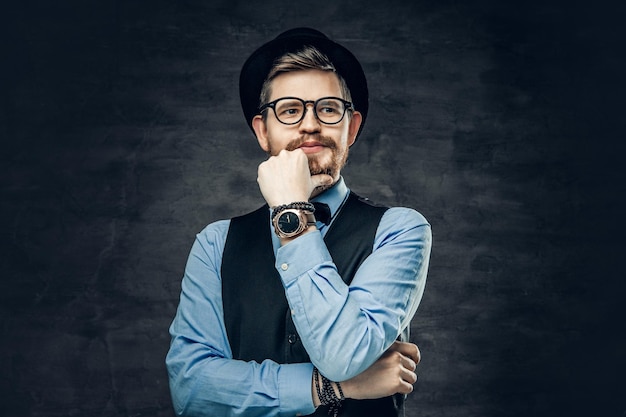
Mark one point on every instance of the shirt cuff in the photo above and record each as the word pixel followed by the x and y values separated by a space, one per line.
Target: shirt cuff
pixel 294 388
pixel 301 255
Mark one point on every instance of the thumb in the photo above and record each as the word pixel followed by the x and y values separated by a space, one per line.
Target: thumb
pixel 321 180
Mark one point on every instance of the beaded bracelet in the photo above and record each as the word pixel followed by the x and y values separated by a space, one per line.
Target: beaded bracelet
pixel 300 205
pixel 327 394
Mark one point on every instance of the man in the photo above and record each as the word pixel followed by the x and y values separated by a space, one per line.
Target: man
pixel 283 312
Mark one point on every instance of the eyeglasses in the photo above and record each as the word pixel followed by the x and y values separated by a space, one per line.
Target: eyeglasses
pixel 291 110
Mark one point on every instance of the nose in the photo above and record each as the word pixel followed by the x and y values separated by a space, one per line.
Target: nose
pixel 309 122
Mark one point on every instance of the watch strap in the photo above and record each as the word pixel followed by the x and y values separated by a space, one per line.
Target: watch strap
pixel 300 205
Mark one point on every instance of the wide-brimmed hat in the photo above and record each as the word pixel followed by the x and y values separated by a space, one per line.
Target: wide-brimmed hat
pixel 258 65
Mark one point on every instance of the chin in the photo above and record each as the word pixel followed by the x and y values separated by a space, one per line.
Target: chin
pixel 316 168
pixel 330 166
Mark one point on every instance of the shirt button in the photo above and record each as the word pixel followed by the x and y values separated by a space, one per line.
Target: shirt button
pixel 292 338
pixel 284 267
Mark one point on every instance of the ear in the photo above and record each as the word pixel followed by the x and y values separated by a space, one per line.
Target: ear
pixel 353 127
pixel 260 130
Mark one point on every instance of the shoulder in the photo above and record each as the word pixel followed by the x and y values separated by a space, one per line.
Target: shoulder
pixel 393 214
pixel 402 223
pixel 216 232
pixel 211 239
pixel 405 215
pixel 215 229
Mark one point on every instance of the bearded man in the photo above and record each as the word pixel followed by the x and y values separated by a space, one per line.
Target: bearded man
pixel 304 305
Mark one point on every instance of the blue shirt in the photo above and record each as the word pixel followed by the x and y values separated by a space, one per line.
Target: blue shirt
pixel 344 329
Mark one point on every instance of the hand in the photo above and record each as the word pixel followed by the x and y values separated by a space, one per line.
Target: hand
pixel 392 373
pixel 285 178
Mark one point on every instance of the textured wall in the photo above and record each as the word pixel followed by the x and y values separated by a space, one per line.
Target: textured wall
pixel 122 137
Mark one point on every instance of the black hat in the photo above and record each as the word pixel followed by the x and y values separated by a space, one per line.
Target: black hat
pixel 258 65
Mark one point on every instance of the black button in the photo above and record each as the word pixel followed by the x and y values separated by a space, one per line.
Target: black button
pixel 292 338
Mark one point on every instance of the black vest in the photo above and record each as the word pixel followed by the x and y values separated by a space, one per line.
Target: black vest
pixel 256 313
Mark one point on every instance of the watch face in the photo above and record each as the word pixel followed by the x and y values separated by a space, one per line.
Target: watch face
pixel 288 222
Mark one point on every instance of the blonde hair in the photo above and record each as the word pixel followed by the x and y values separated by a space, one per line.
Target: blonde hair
pixel 306 58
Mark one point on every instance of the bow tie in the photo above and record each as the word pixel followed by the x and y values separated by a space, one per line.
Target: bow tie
pixel 322 212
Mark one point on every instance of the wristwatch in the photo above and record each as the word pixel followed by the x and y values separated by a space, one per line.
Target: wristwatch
pixel 292 222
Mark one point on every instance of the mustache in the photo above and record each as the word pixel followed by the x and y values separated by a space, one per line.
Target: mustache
pixel 324 140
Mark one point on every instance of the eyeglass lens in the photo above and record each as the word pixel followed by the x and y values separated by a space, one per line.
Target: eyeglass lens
pixel 327 110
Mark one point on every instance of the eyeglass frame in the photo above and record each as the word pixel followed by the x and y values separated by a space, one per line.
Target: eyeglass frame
pixel 347 105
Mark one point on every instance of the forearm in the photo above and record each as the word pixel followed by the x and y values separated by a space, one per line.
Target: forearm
pixel 346 328
pixel 342 340
pixel 202 385
pixel 393 373
pixel 204 379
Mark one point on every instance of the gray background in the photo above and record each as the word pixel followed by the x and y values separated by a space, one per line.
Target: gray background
pixel 503 123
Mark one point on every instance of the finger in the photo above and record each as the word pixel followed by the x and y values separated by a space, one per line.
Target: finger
pixel 408 363
pixel 408 349
pixel 321 180
pixel 297 154
pixel 404 387
pixel 408 376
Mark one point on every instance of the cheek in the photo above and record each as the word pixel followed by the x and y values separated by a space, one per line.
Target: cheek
pixel 275 145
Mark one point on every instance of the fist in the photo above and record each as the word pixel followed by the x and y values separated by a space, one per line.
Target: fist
pixel 285 178
pixel 393 373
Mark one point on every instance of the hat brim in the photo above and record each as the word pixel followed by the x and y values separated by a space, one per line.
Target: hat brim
pixel 258 65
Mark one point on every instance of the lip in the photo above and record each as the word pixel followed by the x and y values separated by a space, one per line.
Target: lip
pixel 312 147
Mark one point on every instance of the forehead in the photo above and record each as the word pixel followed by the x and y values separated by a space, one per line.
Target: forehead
pixel 307 85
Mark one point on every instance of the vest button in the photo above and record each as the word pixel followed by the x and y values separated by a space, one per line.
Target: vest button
pixel 292 338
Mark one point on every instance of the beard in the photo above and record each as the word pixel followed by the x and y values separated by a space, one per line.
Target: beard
pixel 331 167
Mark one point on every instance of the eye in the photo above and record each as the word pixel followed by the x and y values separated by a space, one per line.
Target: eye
pixel 291 111
pixel 288 108
pixel 329 107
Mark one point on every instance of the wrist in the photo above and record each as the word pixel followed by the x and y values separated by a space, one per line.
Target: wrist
pixel 350 389
pixel 297 205
pixel 327 392
pixel 293 219
pixel 285 240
